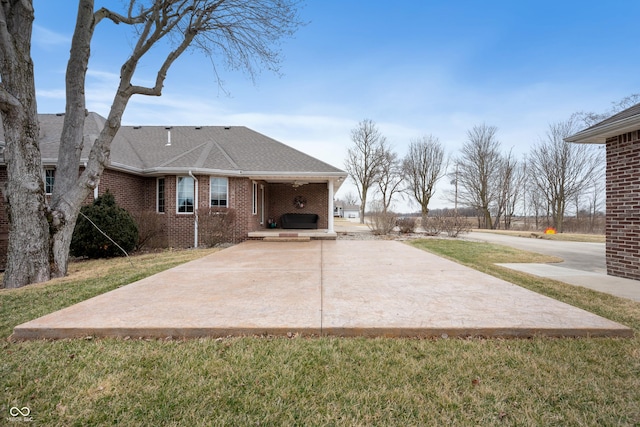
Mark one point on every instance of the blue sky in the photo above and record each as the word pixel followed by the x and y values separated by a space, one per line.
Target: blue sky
pixel 415 67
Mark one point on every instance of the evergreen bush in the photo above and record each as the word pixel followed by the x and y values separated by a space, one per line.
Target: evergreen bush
pixel 113 220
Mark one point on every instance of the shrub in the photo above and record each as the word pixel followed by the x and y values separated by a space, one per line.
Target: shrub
pixel 114 221
pixel 151 230
pixel 432 225
pixel 407 225
pixel 217 226
pixel 448 221
pixel 381 222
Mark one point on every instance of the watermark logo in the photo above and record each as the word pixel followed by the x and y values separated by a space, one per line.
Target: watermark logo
pixel 15 411
pixel 20 414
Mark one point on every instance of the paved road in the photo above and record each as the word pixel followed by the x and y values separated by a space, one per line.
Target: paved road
pixel 576 255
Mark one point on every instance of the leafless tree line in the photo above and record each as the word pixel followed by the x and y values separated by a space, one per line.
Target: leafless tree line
pixel 553 183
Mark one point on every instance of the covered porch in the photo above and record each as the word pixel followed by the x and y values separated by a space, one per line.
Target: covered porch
pixel 291 196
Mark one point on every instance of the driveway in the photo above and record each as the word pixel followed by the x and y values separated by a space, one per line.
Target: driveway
pixel 583 265
pixel 576 255
pixel 342 288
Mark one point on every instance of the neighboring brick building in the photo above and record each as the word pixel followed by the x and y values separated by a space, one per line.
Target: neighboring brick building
pixel 174 175
pixel 621 135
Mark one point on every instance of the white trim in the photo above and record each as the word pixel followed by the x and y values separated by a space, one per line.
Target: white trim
pixel 599 135
pixel 178 194
pixel 164 194
pixel 330 207
pixel 226 179
pixel 49 169
pixel 195 210
pixel 254 198
pixel 262 204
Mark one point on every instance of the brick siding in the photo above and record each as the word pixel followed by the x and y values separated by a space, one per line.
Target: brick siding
pixel 138 195
pixel 281 197
pixel 623 206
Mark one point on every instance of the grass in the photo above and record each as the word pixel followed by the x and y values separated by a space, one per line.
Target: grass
pixel 317 381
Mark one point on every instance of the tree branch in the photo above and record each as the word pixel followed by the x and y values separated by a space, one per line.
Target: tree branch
pixel 7 100
pixel 116 18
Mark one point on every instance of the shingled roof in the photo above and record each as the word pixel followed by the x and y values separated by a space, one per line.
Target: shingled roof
pixel 625 121
pixel 224 150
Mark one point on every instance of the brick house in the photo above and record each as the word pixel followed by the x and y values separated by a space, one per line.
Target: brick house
pixel 176 174
pixel 621 135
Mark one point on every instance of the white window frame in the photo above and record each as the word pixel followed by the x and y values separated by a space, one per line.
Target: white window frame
pixel 53 176
pixel 193 195
pixel 254 199
pixel 211 199
pixel 164 194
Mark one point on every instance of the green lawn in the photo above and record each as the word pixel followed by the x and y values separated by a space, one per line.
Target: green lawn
pixel 317 381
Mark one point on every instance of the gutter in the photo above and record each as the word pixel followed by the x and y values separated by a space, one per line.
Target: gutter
pixel 599 134
pixel 195 210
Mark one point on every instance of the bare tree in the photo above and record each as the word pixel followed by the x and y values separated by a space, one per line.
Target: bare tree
pixel 423 166
pixel 350 199
pixel 235 31
pixel 390 179
pixel 515 180
pixel 365 158
pixel 478 169
pixel 509 182
pixel 28 259
pixel 562 170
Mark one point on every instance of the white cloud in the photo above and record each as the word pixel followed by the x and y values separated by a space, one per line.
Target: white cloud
pixel 48 39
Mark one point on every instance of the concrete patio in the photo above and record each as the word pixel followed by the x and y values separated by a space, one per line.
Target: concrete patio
pixel 320 287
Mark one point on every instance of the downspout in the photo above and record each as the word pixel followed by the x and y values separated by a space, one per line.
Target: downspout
pixel 195 211
pixel 330 207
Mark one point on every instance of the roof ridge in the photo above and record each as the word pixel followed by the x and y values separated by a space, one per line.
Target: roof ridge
pixel 184 153
pixel 226 155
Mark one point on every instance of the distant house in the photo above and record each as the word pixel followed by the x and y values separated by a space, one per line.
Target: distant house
pixel 621 135
pixel 175 172
pixel 351 211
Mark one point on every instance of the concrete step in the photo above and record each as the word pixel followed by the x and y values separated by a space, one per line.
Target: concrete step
pixel 287 239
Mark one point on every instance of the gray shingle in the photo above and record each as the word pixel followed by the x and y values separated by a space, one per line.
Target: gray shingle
pixel 145 149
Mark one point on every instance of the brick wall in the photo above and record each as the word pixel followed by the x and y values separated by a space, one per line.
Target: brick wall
pixel 281 198
pixel 623 206
pixel 138 194
pixel 130 191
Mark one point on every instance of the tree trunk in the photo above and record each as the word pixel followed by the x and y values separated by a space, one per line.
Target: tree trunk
pixel 363 207
pixel 28 250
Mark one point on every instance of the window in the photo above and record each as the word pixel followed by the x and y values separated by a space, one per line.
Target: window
pixel 49 179
pixel 160 196
pixel 219 191
pixel 254 199
pixel 185 194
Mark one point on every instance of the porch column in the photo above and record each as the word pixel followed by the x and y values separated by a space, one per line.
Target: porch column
pixel 330 221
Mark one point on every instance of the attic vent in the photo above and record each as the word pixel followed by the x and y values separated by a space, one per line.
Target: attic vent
pixel 198 127
pixel 137 127
pixel 168 127
pixel 227 127
pixel 59 114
